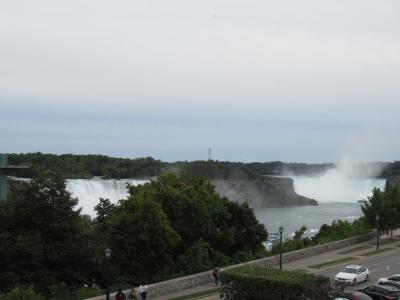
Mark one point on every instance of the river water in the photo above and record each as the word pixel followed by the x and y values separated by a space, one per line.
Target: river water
pixel 337 196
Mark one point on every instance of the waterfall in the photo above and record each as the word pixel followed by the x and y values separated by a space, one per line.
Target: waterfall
pixel 335 185
pixel 88 191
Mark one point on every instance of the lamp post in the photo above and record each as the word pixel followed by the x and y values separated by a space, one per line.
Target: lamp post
pixel 377 232
pixel 107 254
pixel 280 247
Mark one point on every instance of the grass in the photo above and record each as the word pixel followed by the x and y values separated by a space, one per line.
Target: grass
pixel 198 294
pixel 388 241
pixel 376 252
pixel 332 262
pixel 301 270
pixel 363 247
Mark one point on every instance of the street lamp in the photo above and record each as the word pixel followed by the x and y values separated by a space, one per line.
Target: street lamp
pixel 377 232
pixel 107 254
pixel 280 247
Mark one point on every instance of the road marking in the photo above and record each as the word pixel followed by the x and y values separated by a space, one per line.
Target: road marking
pixel 372 271
pixel 387 268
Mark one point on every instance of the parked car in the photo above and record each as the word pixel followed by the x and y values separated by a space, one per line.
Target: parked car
pixel 381 292
pixel 395 277
pixel 352 274
pixel 353 295
pixel 391 283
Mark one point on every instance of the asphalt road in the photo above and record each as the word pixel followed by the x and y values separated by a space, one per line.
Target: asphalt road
pixel 383 265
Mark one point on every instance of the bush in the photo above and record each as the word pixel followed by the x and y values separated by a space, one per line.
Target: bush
pixel 341 230
pixel 88 292
pixel 272 284
pixel 22 294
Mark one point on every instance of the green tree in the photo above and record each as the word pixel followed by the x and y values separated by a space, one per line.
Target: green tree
pixel 44 235
pixel 177 225
pixel 386 204
pixel 142 238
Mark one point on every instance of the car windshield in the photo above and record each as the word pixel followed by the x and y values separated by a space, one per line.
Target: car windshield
pixel 350 270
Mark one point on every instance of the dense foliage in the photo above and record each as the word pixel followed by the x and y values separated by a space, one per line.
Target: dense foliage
pixel 42 238
pixel 84 166
pixel 338 230
pixel 262 283
pixel 391 169
pixel 177 225
pixel 386 205
pixel 174 226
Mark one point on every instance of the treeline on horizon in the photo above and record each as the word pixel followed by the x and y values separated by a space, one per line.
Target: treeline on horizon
pixel 87 166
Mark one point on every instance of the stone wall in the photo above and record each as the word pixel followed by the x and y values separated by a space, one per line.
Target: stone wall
pixel 181 283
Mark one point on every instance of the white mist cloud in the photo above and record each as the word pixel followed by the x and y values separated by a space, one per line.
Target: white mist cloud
pixel 348 183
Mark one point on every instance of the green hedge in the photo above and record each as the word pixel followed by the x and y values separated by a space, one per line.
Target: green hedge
pixel 273 284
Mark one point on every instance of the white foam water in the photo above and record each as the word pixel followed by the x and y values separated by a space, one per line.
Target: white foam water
pixel 88 191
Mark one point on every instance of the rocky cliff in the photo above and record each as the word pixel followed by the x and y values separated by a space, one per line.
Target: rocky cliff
pixel 262 192
pixel 393 181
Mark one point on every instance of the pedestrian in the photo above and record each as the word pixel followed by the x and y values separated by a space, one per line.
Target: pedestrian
pixel 215 275
pixel 133 295
pixel 142 290
pixel 120 295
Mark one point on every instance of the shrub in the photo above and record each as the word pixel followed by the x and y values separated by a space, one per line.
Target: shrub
pixel 22 294
pixel 272 284
pixel 88 292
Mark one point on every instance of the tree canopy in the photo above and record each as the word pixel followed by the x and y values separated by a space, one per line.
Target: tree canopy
pixel 42 236
pixel 174 226
pixel 178 225
pixel 386 205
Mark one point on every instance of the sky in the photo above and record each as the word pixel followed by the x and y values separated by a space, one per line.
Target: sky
pixel 254 80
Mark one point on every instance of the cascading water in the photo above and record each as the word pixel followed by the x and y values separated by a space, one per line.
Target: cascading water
pixel 337 191
pixel 344 184
pixel 332 188
pixel 88 191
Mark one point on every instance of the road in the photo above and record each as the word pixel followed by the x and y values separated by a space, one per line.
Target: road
pixel 383 265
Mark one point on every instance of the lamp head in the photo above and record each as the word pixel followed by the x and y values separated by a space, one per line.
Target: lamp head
pixel 281 229
pixel 107 253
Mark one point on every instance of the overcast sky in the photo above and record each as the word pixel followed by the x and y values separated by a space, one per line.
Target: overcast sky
pixel 310 80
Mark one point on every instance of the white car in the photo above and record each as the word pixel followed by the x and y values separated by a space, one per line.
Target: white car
pixel 395 277
pixel 352 274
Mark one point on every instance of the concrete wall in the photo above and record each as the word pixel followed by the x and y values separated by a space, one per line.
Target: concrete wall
pixel 181 283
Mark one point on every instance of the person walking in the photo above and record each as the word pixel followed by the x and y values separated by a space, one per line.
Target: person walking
pixel 215 275
pixel 133 295
pixel 120 295
pixel 142 290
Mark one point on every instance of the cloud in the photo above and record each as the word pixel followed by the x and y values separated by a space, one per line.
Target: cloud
pixel 259 80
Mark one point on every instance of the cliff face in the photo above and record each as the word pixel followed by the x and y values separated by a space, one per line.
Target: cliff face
pixel 393 181
pixel 263 192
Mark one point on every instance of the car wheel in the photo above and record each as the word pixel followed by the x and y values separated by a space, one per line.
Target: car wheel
pixel 354 281
pixel 367 277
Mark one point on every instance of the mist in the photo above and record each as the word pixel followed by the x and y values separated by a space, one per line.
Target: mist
pixel 347 183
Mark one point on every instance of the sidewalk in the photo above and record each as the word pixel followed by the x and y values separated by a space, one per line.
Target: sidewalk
pixel 303 264
pixel 190 291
